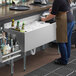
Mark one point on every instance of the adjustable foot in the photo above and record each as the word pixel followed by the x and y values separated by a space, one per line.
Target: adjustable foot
pixel 11 74
pixel 12 66
pixel 24 61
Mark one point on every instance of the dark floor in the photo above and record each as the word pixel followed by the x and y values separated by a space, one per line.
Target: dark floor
pixel 52 69
pixel 34 62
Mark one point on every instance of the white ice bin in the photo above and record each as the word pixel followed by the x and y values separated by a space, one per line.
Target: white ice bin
pixel 38 33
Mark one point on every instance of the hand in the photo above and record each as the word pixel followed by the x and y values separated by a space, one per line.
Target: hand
pixel 50 9
pixel 43 19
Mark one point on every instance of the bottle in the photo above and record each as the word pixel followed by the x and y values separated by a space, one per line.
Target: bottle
pixel 16 46
pixel 3 38
pixel 7 1
pixel 0 2
pixel 13 49
pixel 23 26
pixel 10 2
pixel 8 49
pixel 23 0
pixel 6 36
pixel 0 43
pixel 2 46
pixel 17 27
pixel 11 42
pixel 12 23
pixel 9 39
pixel 3 2
pixel 22 29
pixel 13 2
pixel 14 40
pixel 1 51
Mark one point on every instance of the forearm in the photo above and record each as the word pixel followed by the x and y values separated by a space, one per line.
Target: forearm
pixel 50 16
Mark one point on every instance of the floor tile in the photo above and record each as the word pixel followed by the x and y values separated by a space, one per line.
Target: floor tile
pixel 53 74
pixel 64 71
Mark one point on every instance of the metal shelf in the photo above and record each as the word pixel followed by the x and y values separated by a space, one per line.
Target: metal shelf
pixel 11 53
pixel 13 57
pixel 10 56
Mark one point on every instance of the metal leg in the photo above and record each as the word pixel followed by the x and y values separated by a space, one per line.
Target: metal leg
pixel 8 63
pixel 50 44
pixel 12 66
pixel 24 61
pixel 43 47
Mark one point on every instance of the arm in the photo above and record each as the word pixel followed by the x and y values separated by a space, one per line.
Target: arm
pixel 53 11
pixel 50 16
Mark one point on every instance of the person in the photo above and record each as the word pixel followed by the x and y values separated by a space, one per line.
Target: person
pixel 65 23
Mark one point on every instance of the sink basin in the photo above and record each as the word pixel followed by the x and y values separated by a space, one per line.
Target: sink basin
pixel 19 8
pixel 51 21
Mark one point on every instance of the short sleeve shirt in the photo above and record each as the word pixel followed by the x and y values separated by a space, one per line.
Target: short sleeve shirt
pixel 62 6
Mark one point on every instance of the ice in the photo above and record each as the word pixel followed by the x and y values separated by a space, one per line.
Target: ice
pixel 35 25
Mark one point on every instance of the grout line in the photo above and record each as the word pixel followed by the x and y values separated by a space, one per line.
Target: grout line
pixel 58 74
pixel 71 61
pixel 73 56
pixel 70 73
pixel 53 71
pixel 59 68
